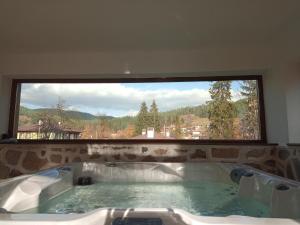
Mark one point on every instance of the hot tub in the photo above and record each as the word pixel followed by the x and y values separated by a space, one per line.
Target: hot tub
pixel 150 193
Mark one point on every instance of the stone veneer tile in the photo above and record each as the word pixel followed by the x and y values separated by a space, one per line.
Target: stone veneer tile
pixel 34 155
pixel 160 151
pixel 225 153
pixel 130 156
pixel 254 165
pixel 56 158
pixel 273 151
pixel 119 147
pixel 4 171
pixel 77 159
pixel 198 154
pixel 14 173
pixel 32 162
pixel 283 154
pixel 149 158
pixel 279 165
pixel 181 150
pixel 289 172
pixel 270 163
pixel 12 157
pixel 71 149
pixel 280 172
pixel 295 164
pixel 95 156
pixel 256 153
pixel 83 151
pixel 43 153
pixel 116 156
pixel 175 159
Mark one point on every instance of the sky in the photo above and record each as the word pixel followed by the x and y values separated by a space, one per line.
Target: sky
pixel 118 99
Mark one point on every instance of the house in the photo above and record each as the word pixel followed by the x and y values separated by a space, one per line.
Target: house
pixel 150 133
pixel 36 132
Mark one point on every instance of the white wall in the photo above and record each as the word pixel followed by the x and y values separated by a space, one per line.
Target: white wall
pixel 275 106
pixel 2 126
pixel 231 60
pixel 292 87
pixel 288 57
pixel 217 59
pixel 5 85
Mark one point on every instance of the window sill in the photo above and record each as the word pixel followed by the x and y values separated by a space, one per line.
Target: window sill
pixel 147 141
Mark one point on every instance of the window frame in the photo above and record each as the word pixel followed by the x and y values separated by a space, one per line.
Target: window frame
pixel 15 103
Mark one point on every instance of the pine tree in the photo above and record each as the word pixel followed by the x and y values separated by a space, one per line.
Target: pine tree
pixel 60 108
pixel 249 122
pixel 154 117
pixel 220 111
pixel 142 121
pixel 177 127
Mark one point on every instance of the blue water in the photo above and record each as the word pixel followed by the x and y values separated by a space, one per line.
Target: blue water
pixel 199 198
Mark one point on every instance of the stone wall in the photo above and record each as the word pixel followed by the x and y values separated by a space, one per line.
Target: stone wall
pixel 16 159
pixel 287 162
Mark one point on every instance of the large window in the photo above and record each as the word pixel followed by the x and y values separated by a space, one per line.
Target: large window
pixel 219 108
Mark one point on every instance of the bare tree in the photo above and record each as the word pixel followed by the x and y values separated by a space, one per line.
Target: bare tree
pixel 53 123
pixel 61 107
pixel 47 126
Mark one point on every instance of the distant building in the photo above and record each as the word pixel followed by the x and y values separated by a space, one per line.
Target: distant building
pixel 35 132
pixel 196 128
pixel 150 133
pixel 196 135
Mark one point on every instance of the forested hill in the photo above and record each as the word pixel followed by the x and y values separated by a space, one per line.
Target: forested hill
pixel 32 115
pixel 75 115
pixel 202 110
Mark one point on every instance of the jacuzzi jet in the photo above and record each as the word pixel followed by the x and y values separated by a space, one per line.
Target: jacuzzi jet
pixel 248 174
pixel 237 173
pixel 282 187
pixel 84 181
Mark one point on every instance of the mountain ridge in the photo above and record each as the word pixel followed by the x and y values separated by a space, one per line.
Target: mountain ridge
pixel 73 114
pixel 200 111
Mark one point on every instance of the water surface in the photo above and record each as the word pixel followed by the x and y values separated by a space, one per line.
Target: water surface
pixel 199 198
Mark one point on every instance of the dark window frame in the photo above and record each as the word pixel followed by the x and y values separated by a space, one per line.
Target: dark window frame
pixel 15 103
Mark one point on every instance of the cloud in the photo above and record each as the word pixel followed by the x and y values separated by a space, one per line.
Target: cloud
pixel 235 95
pixel 111 99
